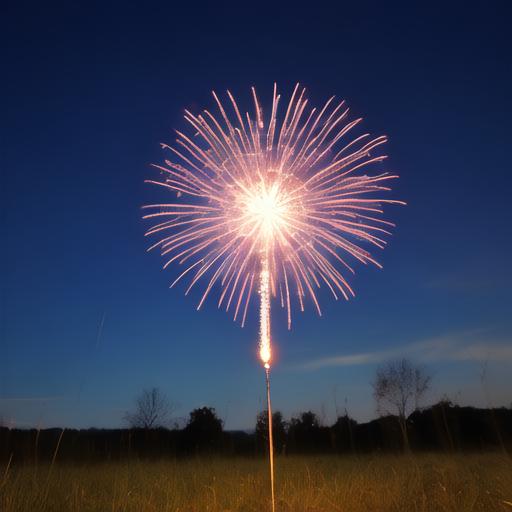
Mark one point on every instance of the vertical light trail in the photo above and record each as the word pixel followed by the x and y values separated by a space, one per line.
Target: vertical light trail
pixel 270 437
pixel 265 355
pixel 265 348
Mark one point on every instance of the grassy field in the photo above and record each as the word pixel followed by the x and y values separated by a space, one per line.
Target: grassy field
pixel 379 483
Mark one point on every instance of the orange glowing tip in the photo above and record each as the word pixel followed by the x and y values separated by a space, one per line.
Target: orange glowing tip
pixel 275 206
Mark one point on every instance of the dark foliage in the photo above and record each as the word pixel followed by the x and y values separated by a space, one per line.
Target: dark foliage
pixel 203 431
pixel 442 427
pixel 343 434
pixel 279 429
pixel 305 435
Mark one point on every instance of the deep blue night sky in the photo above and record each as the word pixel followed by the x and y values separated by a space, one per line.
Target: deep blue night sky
pixel 89 92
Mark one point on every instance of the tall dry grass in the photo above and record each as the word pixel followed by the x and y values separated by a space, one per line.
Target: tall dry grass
pixel 459 483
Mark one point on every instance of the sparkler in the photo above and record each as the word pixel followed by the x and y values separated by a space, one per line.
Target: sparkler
pixel 269 207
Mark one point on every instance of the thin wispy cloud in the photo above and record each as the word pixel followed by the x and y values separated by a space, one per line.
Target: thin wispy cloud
pixel 459 283
pixel 464 346
pixel 31 398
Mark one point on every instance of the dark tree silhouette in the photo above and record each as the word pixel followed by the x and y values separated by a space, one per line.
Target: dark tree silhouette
pixel 306 435
pixel 204 428
pixel 279 427
pixel 442 426
pixel 398 389
pixel 152 410
pixel 343 433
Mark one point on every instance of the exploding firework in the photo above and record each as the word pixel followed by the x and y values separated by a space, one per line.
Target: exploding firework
pixel 270 207
pixel 276 208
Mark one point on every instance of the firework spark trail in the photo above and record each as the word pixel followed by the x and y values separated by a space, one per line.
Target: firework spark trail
pixel 286 204
pixel 265 349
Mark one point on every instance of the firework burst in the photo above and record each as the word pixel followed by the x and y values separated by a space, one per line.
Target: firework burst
pixel 277 208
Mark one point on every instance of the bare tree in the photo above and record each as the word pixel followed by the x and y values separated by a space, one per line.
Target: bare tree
pixel 152 410
pixel 398 389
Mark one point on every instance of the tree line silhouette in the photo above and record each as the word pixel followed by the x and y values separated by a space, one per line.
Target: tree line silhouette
pixel 399 387
pixel 444 427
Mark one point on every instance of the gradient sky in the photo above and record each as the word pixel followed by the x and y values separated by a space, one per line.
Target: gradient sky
pixel 89 92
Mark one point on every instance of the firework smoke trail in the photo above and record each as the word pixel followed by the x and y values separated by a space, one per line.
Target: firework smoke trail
pixel 286 204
